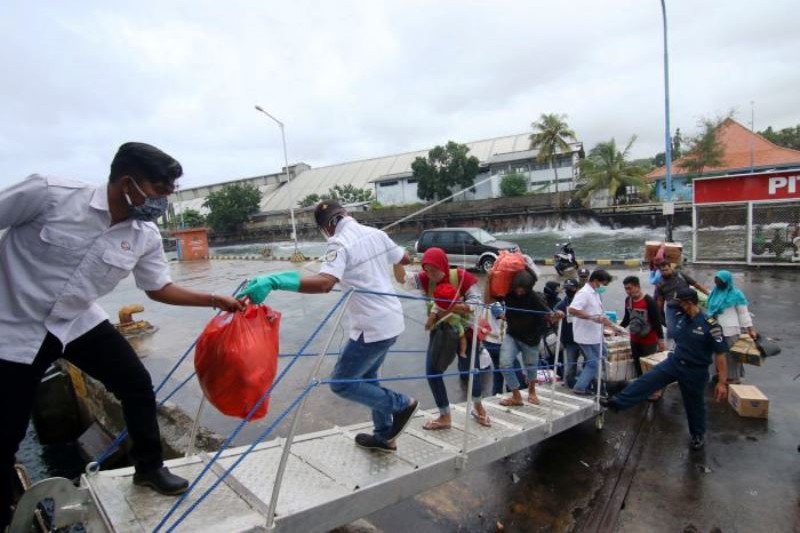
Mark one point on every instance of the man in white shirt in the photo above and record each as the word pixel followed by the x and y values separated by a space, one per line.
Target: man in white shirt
pixel 357 257
pixel 587 328
pixel 68 244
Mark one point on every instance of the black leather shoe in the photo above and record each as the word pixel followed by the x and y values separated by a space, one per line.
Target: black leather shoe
pixel 161 480
pixel 400 420
pixel 370 442
pixel 608 403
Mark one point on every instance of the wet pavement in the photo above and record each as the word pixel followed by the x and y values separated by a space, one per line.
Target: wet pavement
pixel 745 480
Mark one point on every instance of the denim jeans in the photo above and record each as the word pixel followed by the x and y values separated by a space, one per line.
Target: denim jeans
pixel 436 384
pixel 571 353
pixel 361 360
pixel 671 319
pixel 691 379
pixel 497 376
pixel 508 354
pixel 592 353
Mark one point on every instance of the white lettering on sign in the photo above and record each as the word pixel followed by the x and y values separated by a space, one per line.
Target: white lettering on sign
pixel 781 182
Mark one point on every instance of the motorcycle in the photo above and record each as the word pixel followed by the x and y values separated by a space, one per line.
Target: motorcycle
pixel 565 258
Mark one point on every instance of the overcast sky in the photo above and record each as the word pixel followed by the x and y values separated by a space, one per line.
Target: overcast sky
pixel 362 79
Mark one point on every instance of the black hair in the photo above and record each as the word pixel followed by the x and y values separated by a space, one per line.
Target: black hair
pixel 524 278
pixel 631 280
pixel 600 275
pixel 144 161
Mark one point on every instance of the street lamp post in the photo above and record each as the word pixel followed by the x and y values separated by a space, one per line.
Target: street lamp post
pixel 288 179
pixel 668 205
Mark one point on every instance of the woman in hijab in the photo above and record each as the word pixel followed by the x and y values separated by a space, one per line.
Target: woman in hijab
pixel 728 305
pixel 435 270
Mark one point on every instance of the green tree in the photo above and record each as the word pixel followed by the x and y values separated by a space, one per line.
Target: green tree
pixel 311 199
pixel 550 138
pixel 704 149
pixel 231 206
pixel 787 137
pixel 447 169
pixel 191 218
pixel 348 194
pixel 607 168
pixel 514 184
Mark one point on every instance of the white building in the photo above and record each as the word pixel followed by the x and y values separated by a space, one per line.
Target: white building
pixel 391 178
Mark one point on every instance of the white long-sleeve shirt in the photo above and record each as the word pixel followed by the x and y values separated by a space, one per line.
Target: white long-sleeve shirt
pixel 733 319
pixel 59 255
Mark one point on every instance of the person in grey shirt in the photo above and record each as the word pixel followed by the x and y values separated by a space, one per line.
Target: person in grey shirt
pixel 66 245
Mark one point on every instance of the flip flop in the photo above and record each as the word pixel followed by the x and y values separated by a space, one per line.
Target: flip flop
pixel 509 402
pixel 482 419
pixel 433 425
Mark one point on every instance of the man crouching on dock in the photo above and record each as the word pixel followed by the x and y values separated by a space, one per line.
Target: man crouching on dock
pixel 67 245
pixel 357 257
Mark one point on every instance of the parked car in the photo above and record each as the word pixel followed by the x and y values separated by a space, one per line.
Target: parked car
pixel 473 247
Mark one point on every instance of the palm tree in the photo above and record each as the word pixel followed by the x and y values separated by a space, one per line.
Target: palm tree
pixel 550 137
pixel 608 168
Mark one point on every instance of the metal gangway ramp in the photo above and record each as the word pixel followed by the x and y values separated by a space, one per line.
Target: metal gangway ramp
pixel 329 481
pixel 311 482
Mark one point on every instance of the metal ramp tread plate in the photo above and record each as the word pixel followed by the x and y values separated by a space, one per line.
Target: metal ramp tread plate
pixel 329 481
pixel 130 508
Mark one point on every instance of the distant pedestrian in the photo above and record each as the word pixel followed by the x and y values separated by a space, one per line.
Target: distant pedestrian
pixel 728 305
pixel 587 310
pixel 583 276
pixel 697 337
pixel 528 319
pixel 568 344
pixel 643 321
pixel 672 280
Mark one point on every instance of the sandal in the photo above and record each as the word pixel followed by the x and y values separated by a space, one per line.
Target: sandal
pixel 483 419
pixel 435 424
pixel 532 398
pixel 511 402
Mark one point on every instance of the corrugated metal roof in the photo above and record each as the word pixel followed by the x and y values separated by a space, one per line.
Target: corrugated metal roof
pixel 361 173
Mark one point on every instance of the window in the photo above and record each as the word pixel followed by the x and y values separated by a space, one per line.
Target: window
pixel 443 238
pixel 412 181
pixel 387 183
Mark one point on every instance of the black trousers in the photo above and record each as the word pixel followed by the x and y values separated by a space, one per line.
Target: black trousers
pixel 641 350
pixel 103 354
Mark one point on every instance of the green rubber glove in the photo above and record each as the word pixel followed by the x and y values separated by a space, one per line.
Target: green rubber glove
pixel 260 286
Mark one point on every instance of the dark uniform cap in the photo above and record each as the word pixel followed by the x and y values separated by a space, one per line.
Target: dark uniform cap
pixel 326 210
pixel 686 294
pixel 571 285
pixel 583 272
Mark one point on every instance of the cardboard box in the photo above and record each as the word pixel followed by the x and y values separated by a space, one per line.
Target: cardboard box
pixel 746 351
pixel 672 251
pixel 748 401
pixel 619 348
pixel 652 360
pixel 619 370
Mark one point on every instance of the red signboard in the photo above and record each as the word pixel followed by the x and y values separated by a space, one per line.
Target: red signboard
pixel 748 187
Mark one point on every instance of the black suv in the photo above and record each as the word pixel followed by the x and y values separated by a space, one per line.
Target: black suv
pixel 472 247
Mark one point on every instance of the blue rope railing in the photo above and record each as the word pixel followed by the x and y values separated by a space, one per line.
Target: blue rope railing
pixel 241 425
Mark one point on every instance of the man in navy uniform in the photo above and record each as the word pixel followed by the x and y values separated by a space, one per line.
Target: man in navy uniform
pixel 697 337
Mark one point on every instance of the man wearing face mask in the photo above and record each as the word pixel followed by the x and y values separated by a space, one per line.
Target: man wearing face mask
pixel 68 244
pixel 587 310
pixel 357 257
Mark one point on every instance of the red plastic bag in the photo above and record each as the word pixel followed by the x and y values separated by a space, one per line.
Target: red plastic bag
pixel 236 359
pixel 507 264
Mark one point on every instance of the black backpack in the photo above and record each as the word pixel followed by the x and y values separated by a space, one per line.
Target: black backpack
pixel 638 323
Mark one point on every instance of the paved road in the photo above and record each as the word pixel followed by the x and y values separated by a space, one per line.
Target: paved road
pixel 746 480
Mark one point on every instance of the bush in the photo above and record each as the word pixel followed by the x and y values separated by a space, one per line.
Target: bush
pixel 514 185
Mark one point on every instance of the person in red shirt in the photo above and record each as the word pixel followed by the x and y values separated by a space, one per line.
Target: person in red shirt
pixel 643 322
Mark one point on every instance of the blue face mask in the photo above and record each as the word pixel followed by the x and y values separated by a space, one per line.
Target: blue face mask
pixel 150 210
pixel 601 289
